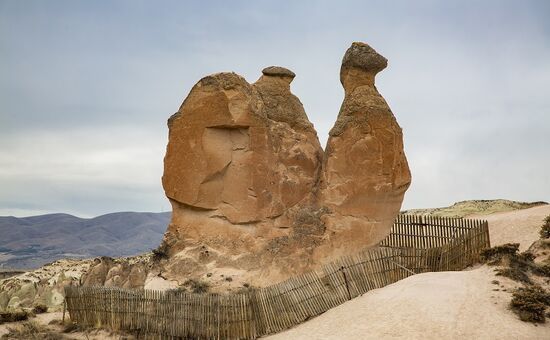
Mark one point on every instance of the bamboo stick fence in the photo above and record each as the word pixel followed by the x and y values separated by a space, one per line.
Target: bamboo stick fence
pixel 416 244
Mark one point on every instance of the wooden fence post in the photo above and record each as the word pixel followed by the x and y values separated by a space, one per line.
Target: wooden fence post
pixel 64 306
pixel 346 282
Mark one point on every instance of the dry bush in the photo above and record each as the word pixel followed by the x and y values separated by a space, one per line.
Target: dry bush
pixel 545 229
pixel 514 266
pixel 39 309
pixel 530 303
pixel 495 254
pixel 13 316
pixel 197 285
pixel 160 253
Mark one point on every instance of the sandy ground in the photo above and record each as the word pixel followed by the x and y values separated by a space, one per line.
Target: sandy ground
pixel 519 226
pixel 46 318
pixel 444 305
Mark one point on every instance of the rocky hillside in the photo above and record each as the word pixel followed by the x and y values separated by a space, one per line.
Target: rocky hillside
pixel 474 207
pixel 30 242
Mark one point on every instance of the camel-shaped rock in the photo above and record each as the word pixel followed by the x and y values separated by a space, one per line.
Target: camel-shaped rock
pixel 252 189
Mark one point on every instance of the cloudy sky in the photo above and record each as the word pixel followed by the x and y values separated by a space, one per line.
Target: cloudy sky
pixel 86 88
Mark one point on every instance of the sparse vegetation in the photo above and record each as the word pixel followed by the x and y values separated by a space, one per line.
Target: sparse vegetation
pixel 197 286
pixel 39 309
pixel 31 330
pixel 161 252
pixel 530 303
pixel 73 327
pixel 13 316
pixel 465 208
pixel 495 254
pixel 514 266
pixel 545 229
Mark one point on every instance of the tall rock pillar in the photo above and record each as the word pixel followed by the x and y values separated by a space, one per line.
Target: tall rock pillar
pixel 365 173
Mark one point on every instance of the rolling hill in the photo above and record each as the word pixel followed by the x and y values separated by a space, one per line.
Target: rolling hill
pixel 30 242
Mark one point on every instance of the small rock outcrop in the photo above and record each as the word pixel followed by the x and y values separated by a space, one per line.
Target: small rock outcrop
pixel 43 286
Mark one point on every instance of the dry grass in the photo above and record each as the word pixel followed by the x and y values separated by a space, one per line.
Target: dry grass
pixel 545 229
pixel 531 301
pixel 160 253
pixel 39 309
pixel 513 265
pixel 197 286
pixel 31 330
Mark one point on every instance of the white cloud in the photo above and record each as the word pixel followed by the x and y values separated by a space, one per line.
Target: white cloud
pixel 86 90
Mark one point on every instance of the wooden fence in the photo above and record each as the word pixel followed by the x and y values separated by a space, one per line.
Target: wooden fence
pixel 431 244
pixel 415 245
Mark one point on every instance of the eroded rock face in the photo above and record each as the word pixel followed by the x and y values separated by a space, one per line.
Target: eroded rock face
pixel 252 189
pixel 365 173
pixel 241 161
pixel 128 272
pixel 44 285
pixel 241 157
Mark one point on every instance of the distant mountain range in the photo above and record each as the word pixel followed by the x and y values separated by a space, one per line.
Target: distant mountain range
pixel 30 242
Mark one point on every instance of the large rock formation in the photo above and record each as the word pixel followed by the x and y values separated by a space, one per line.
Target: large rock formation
pixel 365 172
pixel 251 188
pixel 242 161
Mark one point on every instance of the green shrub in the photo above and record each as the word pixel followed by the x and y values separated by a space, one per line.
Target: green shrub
pixel 545 229
pixel 530 303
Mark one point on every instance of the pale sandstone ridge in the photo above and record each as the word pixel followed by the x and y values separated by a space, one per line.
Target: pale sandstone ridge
pixel 244 173
pixel 365 173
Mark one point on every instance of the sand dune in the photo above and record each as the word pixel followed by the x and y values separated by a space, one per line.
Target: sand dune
pixel 519 226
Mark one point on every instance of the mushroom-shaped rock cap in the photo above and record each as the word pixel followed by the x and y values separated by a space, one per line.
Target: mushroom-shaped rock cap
pixel 278 71
pixel 364 57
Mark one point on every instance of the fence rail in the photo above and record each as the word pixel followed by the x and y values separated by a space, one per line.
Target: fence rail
pixel 415 245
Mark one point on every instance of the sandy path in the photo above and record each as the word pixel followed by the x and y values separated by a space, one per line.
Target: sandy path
pixel 518 226
pixel 444 305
